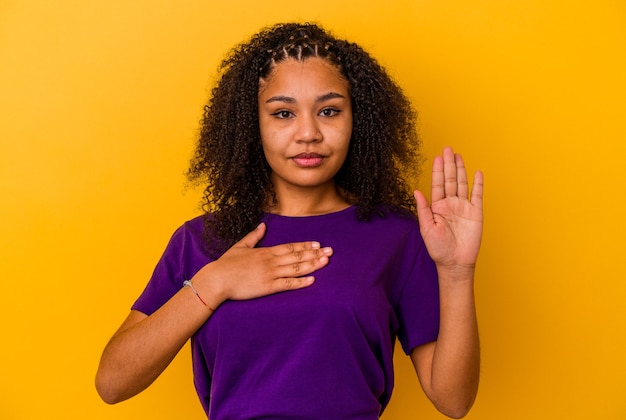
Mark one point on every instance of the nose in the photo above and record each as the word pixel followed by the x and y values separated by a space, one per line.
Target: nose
pixel 308 130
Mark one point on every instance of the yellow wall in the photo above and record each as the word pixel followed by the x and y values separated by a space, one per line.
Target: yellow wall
pixel 99 103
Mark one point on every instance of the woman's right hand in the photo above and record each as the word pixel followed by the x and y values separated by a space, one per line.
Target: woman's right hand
pixel 245 272
pixel 144 345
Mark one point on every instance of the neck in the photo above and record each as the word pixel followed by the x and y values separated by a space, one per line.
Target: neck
pixel 306 202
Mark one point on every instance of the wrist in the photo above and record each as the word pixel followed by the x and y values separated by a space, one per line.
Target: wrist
pixel 456 272
pixel 208 288
pixel 456 288
pixel 189 284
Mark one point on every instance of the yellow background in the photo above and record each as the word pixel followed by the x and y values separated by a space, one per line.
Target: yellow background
pixel 99 104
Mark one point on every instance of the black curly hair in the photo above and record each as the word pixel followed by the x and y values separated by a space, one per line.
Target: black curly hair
pixel 229 157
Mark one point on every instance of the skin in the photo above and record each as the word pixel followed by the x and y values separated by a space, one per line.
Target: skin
pixel 448 369
pixel 305 117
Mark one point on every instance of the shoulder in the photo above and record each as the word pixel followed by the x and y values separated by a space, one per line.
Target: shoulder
pixel 188 236
pixel 194 226
pixel 183 257
pixel 397 226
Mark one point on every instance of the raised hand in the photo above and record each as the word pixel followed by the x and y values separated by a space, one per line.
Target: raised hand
pixel 452 225
pixel 245 272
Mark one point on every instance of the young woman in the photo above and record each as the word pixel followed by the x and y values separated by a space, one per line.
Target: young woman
pixel 309 261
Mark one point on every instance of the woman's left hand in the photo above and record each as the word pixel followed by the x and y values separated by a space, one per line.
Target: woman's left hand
pixel 452 225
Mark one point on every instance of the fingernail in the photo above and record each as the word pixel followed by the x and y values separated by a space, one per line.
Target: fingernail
pixel 309 280
pixel 315 245
pixel 327 250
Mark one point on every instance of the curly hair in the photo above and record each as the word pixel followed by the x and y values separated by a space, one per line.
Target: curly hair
pixel 229 157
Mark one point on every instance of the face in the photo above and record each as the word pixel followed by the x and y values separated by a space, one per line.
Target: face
pixel 305 117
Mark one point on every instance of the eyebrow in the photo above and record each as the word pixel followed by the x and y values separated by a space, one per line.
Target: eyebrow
pixel 290 100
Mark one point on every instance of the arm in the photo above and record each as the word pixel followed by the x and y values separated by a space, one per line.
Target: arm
pixel 144 345
pixel 448 368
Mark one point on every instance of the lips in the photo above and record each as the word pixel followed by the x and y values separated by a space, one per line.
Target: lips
pixel 308 160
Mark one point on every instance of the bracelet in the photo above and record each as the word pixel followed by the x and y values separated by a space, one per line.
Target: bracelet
pixel 187 283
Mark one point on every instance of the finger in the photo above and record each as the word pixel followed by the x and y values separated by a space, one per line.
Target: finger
pixel 461 177
pixel 449 172
pixel 252 238
pixel 477 190
pixel 438 190
pixel 302 256
pixel 424 212
pixel 294 247
pixel 290 283
pixel 297 266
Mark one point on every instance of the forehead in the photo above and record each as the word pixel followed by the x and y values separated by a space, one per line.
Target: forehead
pixel 310 73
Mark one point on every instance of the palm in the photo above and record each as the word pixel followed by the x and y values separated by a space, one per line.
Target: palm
pixel 452 225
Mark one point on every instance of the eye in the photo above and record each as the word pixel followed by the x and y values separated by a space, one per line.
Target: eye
pixel 329 112
pixel 282 114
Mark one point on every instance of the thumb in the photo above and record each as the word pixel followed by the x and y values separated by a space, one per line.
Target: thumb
pixel 252 238
pixel 424 212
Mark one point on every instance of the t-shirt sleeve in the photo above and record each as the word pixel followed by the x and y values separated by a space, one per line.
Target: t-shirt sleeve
pixel 182 258
pixel 418 303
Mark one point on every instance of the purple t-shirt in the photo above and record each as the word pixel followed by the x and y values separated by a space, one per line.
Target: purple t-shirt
pixel 325 351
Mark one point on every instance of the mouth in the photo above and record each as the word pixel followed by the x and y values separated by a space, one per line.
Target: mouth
pixel 308 160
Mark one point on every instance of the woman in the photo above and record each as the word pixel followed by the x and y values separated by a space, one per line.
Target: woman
pixel 308 262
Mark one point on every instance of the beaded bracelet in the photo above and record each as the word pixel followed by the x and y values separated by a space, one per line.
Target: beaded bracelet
pixel 188 284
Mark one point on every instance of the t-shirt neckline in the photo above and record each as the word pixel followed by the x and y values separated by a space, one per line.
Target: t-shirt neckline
pixel 338 213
